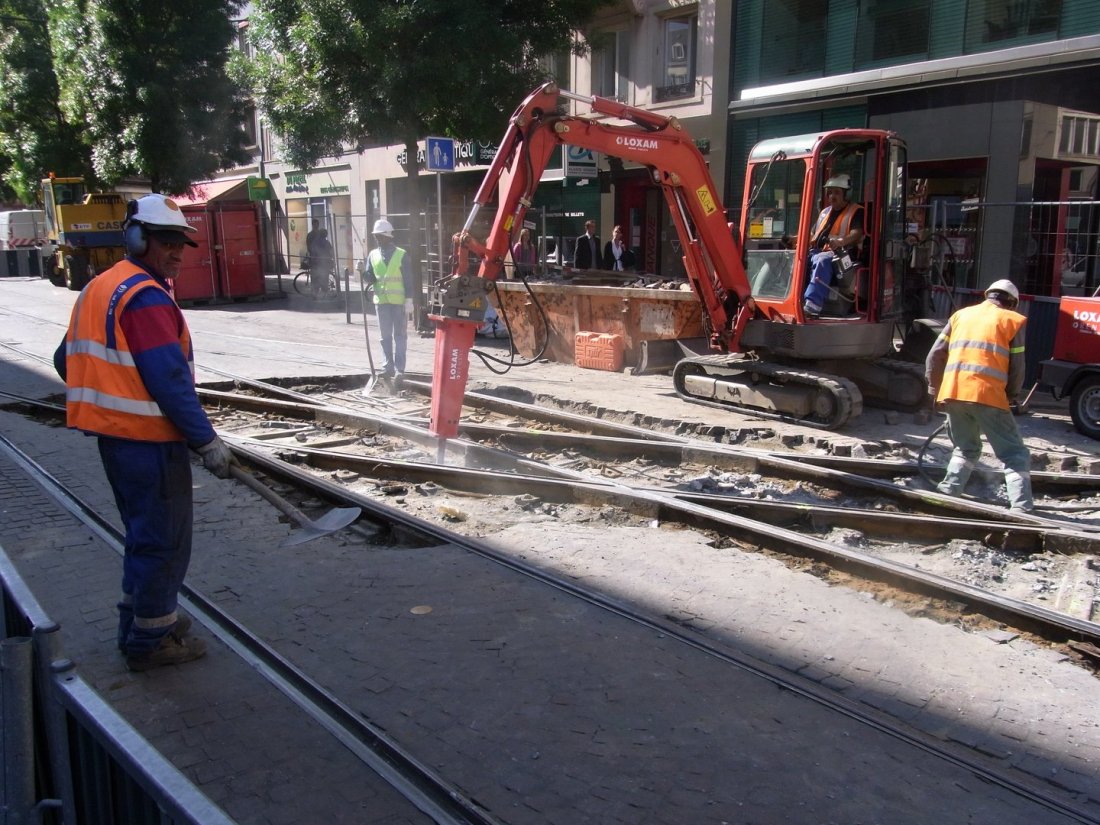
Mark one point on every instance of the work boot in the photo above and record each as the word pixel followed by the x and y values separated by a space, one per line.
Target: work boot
pixel 172 650
pixel 180 628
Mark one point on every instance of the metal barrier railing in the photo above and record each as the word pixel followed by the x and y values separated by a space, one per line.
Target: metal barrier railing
pixel 104 770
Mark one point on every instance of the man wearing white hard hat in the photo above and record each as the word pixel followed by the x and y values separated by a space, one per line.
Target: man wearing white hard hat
pixel 976 370
pixel 387 272
pixel 838 231
pixel 128 366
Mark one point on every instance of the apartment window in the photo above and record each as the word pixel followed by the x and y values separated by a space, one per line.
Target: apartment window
pixel 1079 137
pixel 678 38
pixel 1002 21
pixel 610 67
pixel 892 31
pixel 792 40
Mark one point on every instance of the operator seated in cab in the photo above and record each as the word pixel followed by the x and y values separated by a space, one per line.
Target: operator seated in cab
pixel 837 234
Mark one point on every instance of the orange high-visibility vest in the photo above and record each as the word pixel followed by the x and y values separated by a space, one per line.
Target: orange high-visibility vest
pixel 978 355
pixel 105 394
pixel 845 224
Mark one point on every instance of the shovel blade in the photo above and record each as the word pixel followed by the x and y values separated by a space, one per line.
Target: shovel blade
pixel 336 519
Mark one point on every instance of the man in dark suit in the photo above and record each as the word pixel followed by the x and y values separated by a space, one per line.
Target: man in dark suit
pixel 587 255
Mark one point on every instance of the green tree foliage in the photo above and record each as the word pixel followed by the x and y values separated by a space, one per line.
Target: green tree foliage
pixel 148 81
pixel 329 73
pixel 34 137
pixel 119 88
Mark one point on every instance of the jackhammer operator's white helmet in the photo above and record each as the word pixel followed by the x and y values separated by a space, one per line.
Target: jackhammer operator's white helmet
pixel 1003 287
pixel 382 227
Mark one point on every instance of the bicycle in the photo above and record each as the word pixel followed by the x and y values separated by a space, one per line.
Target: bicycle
pixel 303 283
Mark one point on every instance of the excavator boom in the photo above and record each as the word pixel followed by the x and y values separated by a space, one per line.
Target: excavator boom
pixel 711 258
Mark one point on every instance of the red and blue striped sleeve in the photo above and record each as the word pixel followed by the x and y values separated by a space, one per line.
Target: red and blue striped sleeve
pixel 152 324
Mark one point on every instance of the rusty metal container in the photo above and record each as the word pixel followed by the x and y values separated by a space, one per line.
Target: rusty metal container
pixel 637 315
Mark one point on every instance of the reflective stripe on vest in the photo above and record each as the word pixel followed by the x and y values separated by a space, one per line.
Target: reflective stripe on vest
pixel 388 286
pixel 845 220
pixel 105 394
pixel 979 353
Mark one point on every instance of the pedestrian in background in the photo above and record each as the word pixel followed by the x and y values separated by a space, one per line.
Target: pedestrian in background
pixel 388 274
pixel 617 256
pixel 976 370
pixel 323 259
pixel 524 254
pixel 587 253
pixel 128 366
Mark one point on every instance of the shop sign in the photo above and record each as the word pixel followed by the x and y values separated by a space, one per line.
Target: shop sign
pixel 580 162
pixel 466 153
pixel 259 189
pixel 296 183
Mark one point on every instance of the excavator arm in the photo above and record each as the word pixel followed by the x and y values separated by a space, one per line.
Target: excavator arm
pixel 711 257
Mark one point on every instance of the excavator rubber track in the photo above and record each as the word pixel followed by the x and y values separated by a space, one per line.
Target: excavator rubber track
pixel 768 390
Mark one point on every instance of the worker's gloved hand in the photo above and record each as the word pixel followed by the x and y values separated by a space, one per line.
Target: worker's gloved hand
pixel 408 306
pixel 216 457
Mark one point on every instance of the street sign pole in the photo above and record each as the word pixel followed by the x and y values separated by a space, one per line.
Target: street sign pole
pixel 440 156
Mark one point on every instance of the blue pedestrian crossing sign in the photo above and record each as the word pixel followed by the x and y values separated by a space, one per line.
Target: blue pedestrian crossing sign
pixel 441 154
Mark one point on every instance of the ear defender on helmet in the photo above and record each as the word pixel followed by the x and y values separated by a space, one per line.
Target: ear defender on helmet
pixel 133 236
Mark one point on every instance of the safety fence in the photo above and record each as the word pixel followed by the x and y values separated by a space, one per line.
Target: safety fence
pixel 1047 248
pixel 68 756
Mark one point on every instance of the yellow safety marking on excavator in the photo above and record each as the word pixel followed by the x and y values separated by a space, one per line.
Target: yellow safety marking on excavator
pixel 508 223
pixel 706 201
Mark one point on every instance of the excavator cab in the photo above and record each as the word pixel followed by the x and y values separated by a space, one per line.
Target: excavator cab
pixel 785 182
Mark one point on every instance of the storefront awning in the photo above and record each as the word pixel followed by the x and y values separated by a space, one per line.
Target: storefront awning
pixel 215 190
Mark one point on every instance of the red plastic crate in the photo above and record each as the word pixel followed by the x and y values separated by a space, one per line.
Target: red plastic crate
pixel 599 351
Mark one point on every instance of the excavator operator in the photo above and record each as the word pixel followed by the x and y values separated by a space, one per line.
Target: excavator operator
pixel 836 235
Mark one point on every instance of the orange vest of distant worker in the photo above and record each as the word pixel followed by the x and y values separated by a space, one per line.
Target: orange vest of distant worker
pixel 105 393
pixel 978 355
pixel 841 228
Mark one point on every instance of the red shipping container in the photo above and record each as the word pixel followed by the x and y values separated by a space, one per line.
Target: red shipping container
pixel 198 275
pixel 599 351
pixel 1077 338
pixel 241 273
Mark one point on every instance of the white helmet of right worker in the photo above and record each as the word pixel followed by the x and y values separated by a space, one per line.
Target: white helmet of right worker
pixel 158 212
pixel 1005 287
pixel 382 227
pixel 839 182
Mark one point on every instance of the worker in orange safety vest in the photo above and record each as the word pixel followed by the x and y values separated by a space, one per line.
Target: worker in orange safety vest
pixel 128 366
pixel 975 370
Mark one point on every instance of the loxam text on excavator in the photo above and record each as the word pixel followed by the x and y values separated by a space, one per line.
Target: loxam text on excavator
pixel 768 356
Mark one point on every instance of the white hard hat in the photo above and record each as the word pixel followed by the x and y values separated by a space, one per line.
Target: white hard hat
pixel 158 212
pixel 839 182
pixel 382 227
pixel 1004 285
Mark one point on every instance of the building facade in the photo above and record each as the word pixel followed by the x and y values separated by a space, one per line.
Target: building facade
pixel 996 100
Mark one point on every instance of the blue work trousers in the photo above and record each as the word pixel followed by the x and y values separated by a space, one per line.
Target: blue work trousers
pixel 967 422
pixel 393 327
pixel 821 276
pixel 152 486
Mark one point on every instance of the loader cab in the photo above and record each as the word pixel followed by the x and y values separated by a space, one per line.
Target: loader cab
pixel 784 195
